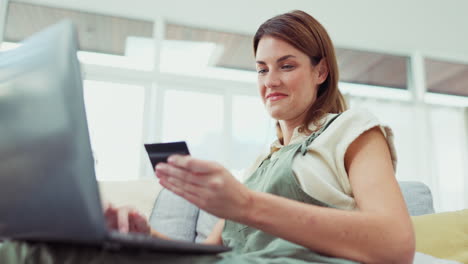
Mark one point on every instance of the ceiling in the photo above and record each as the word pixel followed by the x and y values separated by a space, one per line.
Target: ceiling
pixel 432 27
pixel 373 40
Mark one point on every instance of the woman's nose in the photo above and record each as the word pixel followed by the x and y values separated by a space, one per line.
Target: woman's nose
pixel 272 79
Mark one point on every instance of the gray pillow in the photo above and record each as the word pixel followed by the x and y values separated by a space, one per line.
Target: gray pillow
pixel 174 216
pixel 418 197
pixel 178 219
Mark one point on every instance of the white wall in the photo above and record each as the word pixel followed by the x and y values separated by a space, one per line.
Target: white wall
pixel 3 9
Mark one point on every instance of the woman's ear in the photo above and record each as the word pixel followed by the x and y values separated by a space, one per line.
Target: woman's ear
pixel 322 69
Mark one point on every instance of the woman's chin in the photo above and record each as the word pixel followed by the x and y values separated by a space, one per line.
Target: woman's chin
pixel 277 115
pixel 278 112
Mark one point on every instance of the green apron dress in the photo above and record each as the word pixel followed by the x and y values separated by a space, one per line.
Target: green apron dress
pixel 275 176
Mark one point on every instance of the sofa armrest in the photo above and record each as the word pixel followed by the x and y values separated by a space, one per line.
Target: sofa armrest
pixel 443 235
pixel 139 193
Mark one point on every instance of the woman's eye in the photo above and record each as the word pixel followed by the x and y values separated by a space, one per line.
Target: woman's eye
pixel 287 67
pixel 261 71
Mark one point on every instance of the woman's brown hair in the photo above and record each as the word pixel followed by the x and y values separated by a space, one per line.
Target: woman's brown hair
pixel 306 34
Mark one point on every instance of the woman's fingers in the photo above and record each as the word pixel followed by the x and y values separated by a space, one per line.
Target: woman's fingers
pixel 126 219
pixel 177 185
pixel 191 193
pixel 206 184
pixel 195 189
pixel 193 165
pixel 139 223
pixel 164 169
pixel 110 214
pixel 122 219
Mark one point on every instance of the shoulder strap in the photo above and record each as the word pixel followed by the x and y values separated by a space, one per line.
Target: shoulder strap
pixel 314 135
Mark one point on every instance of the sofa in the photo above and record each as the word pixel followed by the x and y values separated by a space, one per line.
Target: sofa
pixel 440 237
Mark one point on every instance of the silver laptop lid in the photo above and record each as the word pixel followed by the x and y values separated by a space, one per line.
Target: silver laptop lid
pixel 48 189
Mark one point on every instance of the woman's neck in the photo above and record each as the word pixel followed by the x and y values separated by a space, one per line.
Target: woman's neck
pixel 287 129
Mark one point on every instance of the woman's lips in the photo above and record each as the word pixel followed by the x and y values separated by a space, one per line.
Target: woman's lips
pixel 276 96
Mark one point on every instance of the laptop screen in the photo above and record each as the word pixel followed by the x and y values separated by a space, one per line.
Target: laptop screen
pixel 48 189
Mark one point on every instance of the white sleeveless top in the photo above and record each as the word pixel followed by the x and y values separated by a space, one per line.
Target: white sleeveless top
pixel 321 172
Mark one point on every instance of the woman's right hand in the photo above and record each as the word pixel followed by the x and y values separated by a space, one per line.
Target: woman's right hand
pixel 126 219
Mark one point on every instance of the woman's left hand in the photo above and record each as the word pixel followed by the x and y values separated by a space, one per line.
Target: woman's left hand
pixel 206 184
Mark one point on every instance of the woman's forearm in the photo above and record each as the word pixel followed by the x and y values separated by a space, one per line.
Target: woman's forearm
pixel 363 236
pixel 156 234
pixel 213 239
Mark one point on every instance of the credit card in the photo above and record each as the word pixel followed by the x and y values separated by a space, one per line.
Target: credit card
pixel 159 152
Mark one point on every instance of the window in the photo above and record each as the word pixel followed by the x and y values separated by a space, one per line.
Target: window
pixel 404 130
pixel 229 50
pixel 115 117
pixel 207 53
pixel 252 130
pixel 430 142
pixel 197 118
pixel 446 77
pixel 448 134
pixel 371 68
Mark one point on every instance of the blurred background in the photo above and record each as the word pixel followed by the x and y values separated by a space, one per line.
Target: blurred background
pixel 157 71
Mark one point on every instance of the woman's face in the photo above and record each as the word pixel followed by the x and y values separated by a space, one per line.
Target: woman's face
pixel 287 80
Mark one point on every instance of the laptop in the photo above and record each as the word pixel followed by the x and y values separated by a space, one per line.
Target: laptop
pixel 48 188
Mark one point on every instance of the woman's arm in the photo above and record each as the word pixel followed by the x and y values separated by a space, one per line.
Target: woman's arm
pixel 379 232
pixel 215 236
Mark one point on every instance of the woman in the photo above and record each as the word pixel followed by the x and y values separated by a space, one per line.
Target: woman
pixel 327 191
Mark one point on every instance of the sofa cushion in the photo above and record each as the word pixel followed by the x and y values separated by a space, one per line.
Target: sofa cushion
pixel 443 235
pixel 205 224
pixel 174 216
pixel 418 197
pixel 179 219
